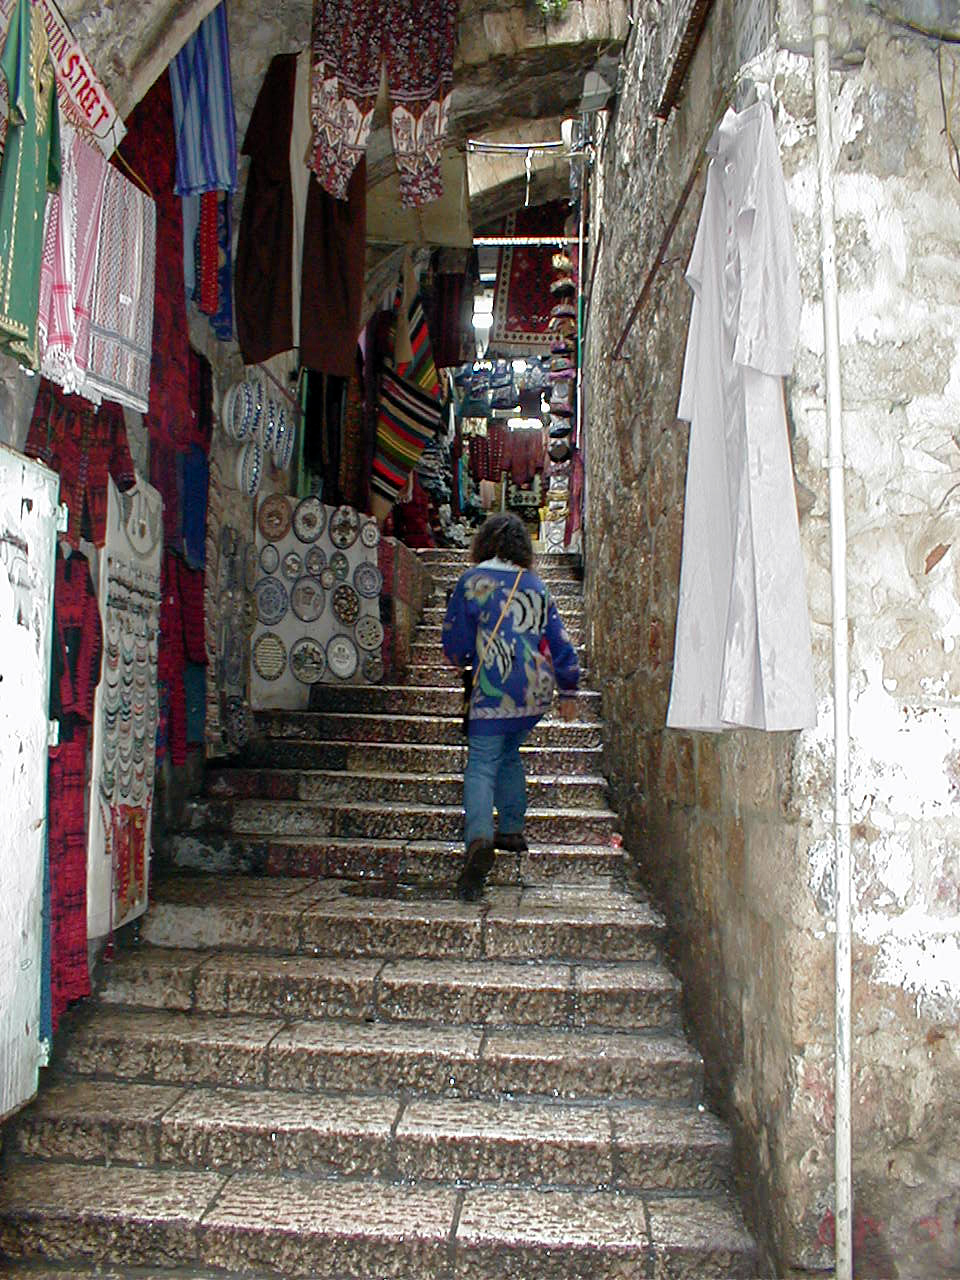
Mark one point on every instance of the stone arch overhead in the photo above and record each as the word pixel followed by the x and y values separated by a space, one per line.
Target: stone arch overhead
pixel 512 66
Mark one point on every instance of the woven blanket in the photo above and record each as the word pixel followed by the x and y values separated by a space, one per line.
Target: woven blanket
pixel 522 298
pixel 407 418
pixel 121 327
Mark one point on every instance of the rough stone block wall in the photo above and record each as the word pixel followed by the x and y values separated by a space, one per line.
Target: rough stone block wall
pixel 733 831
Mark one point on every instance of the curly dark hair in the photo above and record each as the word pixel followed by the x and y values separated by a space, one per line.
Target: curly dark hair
pixel 504 537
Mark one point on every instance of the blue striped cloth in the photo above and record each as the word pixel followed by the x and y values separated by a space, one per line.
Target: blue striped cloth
pixel 203 110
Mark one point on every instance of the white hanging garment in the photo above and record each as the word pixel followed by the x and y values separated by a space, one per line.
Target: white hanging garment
pixel 742 654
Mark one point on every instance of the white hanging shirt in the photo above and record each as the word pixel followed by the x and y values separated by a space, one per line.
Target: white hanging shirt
pixel 742 654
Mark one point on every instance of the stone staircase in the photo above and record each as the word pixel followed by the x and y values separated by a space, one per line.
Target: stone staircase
pixel 316 1061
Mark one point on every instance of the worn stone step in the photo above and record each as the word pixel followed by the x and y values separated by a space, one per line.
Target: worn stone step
pixel 431 634
pixel 419 757
pixel 376 821
pixel 291 727
pixel 298 1226
pixel 331 1056
pixel 408 700
pixel 369 787
pixel 530 924
pixel 571 610
pixel 428 671
pixel 448 992
pixel 626 1146
pixel 428 652
pixel 399 863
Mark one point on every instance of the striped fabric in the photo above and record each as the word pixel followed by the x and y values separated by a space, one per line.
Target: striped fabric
pixel 203 110
pixel 407 419
pixel 421 369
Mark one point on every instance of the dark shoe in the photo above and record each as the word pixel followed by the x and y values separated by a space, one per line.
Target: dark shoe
pixel 510 842
pixel 478 864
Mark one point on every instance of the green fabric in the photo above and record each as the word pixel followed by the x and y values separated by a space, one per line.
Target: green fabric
pixel 30 167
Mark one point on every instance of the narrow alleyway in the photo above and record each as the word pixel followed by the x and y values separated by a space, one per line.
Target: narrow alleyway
pixel 317 1062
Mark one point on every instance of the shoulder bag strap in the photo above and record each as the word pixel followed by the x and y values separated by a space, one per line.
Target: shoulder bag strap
pixel 503 614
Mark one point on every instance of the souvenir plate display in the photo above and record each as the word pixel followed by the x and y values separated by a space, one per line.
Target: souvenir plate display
pixel 372 668
pixel 274 519
pixel 308 660
pixel 269 559
pixel 340 566
pixel 344 527
pixel 342 656
pixel 269 656
pixel 367 579
pixel 314 561
pixel 328 579
pixel 369 632
pixel 370 534
pixel 346 604
pixel 307 599
pixel 271 601
pixel 309 519
pixel 291 566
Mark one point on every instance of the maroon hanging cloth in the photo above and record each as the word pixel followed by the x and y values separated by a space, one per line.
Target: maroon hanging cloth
pixel 78 649
pixel 149 148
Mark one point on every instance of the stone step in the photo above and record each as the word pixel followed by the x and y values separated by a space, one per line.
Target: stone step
pixel 447 992
pixel 369 787
pixel 297 1226
pixel 317 917
pixel 398 863
pixel 456 557
pixel 329 1056
pixel 403 700
pixel 315 819
pixel 289 727
pixel 624 1146
pixel 427 670
pixel 431 634
pixel 420 757
pixel 571 610
pixel 429 652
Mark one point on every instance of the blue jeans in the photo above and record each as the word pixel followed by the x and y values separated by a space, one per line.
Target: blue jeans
pixel 494 776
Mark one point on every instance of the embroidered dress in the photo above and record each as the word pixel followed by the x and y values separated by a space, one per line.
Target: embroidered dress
pixel 78 646
pixel 416 40
pixel 85 446
pixel 743 654
pixel 511 691
pixel 31 166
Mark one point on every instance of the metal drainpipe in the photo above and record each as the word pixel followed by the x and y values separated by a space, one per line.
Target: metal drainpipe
pixel 841 684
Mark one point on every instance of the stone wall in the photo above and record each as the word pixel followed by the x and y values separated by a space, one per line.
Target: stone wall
pixel 733 832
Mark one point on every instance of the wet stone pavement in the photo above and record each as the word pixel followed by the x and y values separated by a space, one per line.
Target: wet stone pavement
pixel 315 1061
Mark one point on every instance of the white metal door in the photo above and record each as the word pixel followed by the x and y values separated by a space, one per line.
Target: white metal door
pixel 28 515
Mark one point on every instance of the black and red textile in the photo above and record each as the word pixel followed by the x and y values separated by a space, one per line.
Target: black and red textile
pixel 522 300
pixel 181 641
pixel 83 445
pixel 416 41
pixel 78 647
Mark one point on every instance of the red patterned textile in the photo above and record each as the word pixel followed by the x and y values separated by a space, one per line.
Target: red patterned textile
pixel 84 445
pixel 126 843
pixel 78 647
pixel 150 150
pixel 209 253
pixel 522 299
pixel 181 641
pixel 416 40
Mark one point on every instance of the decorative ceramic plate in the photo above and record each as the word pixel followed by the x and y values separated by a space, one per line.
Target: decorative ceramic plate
pixel 344 527
pixel 307 660
pixel 274 519
pixel 269 656
pixel 367 579
pixel 369 632
pixel 291 566
pixel 249 470
pixel 340 566
pixel 328 579
pixel 314 561
pixel 370 533
pixel 269 559
pixel 372 668
pixel 342 656
pixel 309 519
pixel 283 449
pixel 272 601
pixel 346 604
pixel 307 599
